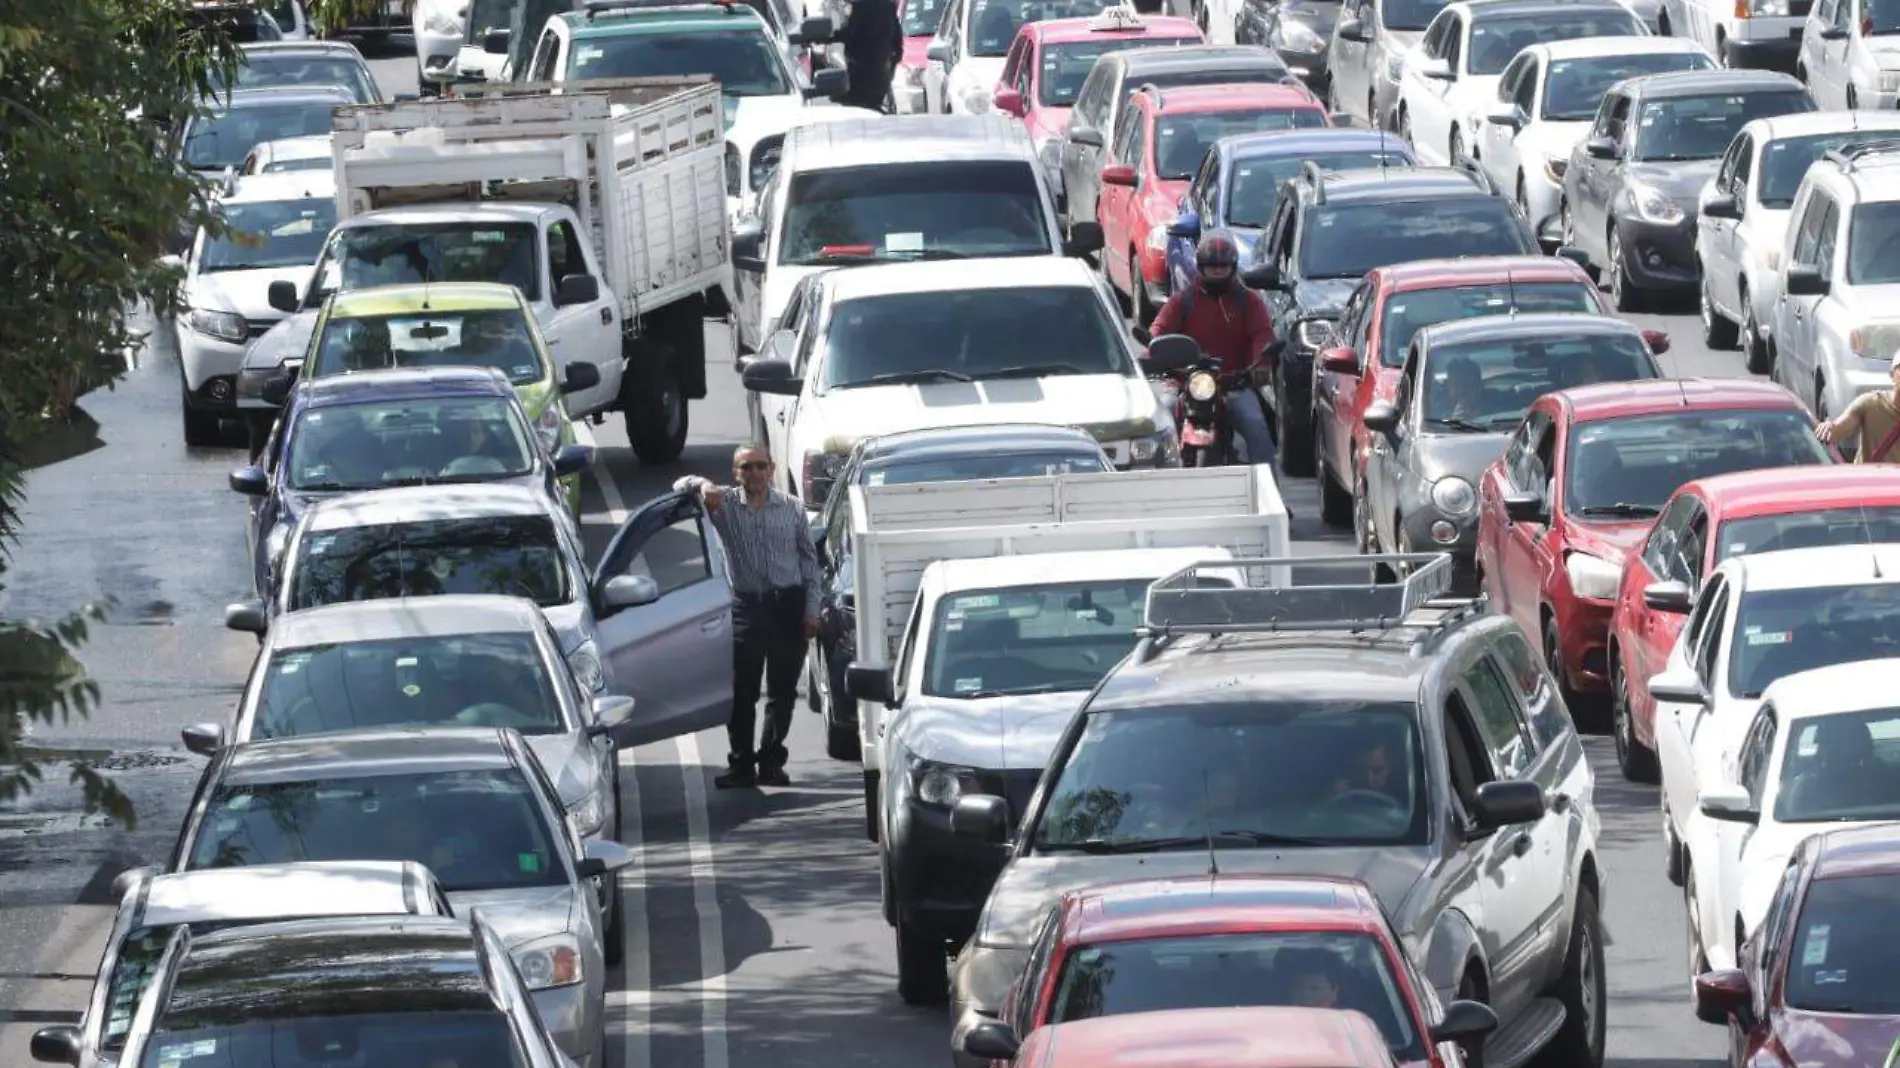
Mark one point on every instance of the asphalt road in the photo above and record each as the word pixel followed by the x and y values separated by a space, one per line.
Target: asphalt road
pixel 756 939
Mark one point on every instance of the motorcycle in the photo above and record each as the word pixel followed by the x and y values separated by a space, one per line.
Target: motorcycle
pixel 1193 389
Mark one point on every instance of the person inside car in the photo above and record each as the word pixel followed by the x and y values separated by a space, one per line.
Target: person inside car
pixel 1457 392
pixel 1367 770
pixel 1230 323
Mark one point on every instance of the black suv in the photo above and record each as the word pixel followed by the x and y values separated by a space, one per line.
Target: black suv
pixel 1329 230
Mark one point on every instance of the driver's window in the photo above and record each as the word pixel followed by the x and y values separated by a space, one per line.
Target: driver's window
pixel 1744 164
pixel 1360 337
pixel 1808 231
pixel 1830 233
pixel 1434 46
pixel 1824 11
pixel 1525 98
pixel 1128 135
pixel 1506 737
pixel 1545 452
pixel 1455 44
pixel 1014 61
pixel 1026 72
pixel 1659 552
pixel 1843 14
pixel 1751 767
pixel 1706 653
pixel 807 327
pixel 1467 759
pixel 1289 239
pixel 541 68
pixel 1775 928
pixel 674 557
pixel 1408 380
pixel 1530 474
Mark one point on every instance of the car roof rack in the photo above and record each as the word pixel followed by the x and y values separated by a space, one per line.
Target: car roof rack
pixel 1199 599
pixel 1848 157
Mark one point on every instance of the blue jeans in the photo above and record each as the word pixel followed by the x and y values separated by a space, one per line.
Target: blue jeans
pixel 1249 420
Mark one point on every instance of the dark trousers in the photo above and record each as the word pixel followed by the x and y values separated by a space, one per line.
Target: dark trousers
pixel 870 84
pixel 768 636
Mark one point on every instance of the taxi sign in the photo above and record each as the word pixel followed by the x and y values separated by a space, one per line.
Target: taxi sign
pixel 1117 18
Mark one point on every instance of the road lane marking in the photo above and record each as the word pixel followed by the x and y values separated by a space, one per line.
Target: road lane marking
pixel 609 492
pixel 637 965
pixel 712 927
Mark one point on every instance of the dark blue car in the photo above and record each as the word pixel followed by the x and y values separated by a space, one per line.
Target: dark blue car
pixel 373 430
pixel 1238 183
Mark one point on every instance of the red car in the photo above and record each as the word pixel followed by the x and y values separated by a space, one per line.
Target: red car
pixel 1170 132
pixel 1225 942
pixel 920 19
pixel 1759 511
pixel 1391 305
pixel 1584 477
pixel 1816 986
pixel 1212 1038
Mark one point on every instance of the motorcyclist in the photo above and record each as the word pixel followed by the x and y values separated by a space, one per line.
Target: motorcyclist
pixel 1232 325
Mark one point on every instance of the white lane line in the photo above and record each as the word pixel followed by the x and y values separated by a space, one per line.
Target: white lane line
pixel 712 928
pixel 637 964
pixel 609 493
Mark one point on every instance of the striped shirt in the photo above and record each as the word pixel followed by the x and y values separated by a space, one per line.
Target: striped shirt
pixel 770 547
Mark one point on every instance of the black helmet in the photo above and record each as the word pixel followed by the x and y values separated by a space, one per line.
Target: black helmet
pixel 1217 249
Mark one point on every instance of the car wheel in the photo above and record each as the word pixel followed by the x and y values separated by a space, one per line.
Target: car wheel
pixel 1363 534
pixel 1296 433
pixel 1455 149
pixel 923 970
pixel 1121 301
pixel 654 408
pixel 614 941
pixel 1718 331
pixel 1405 126
pixel 1524 201
pixel 870 805
pixel 1583 991
pixel 1623 296
pixel 1674 861
pixel 201 428
pixel 814 700
pixel 1554 659
pixel 1335 504
pixel 1754 345
pixel 1469 990
pixel 1853 99
pixel 1698 956
pixel 1637 761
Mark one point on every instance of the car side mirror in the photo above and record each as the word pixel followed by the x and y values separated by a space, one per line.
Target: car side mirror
pixel 628 591
pixel 991 1040
pixel 771 376
pixel 1171 352
pixel 1085 239
pixel 1729 804
pixel 1672 597
pixel 1085 135
pixel 1340 361
pixel 813 31
pixel 576 289
pixel 580 376
pixel 1009 101
pixel 247 616
pixel 1805 281
pixel 874 683
pixel 1678 688
pixel 1526 508
pixel 1506 115
pixel 610 711
pixel 1464 1021
pixel 1574 255
pixel 1187 225
pixel 1382 419
pixel 1436 69
pixel 1722 207
pixel 980 816
pixel 495 42
pixel 602 855
pixel 1600 148
pixel 130 877
pixel 1657 341
pixel 250 481
pixel 1720 995
pixel 1261 276
pixel 282 296
pixel 276 391
pixel 748 246
pixel 1833 33
pixel 1352 29
pixel 572 459
pixel 204 739
pixel 1120 174
pixel 938 51
pixel 832 83
pixel 1508 801
pixel 56 1045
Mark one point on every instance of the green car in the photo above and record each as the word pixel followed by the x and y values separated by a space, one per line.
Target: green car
pixel 452 324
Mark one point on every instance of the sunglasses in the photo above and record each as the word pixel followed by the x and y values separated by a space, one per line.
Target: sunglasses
pixel 753 465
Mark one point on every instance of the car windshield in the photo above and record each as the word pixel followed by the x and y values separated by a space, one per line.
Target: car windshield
pixel 1629 468
pixel 1268 773
pixel 406 253
pixel 924 209
pixel 1348 241
pixel 1701 127
pixel 1839 768
pixel 744 61
pixel 1245 968
pixel 502 338
pixel 1497 40
pixel 922 17
pixel 222 139
pixel 1785 161
pixel 305 163
pixel 967 334
pixel 380 444
pixel 258 70
pixel 903 472
pixel 1182 141
pixel 1780 632
pixel 1409 312
pixel 1253 189
pixel 476 830
pixel 1873 244
pixel 445 680
pixel 1410 15
pixel 424 1039
pixel 1852 525
pixel 133 971
pixel 1066 65
pixel 1880 18
pixel 1490 384
pixel 515 556
pixel 1573 88
pixel 1031 639
pixel 993 23
pixel 269 233
pixel 1844 948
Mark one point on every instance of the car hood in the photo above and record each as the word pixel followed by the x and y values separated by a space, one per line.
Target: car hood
pixel 1833 1040
pixel 1681 181
pixel 1463 455
pixel 1031 884
pixel 1322 295
pixel 569 762
pixel 999 733
pixel 520 916
pixel 1608 541
pixel 1885 49
pixel 749 118
pixel 1111 407
pixel 288 340
pixel 244 292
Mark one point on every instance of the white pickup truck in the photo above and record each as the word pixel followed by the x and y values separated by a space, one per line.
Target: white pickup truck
pixel 605 206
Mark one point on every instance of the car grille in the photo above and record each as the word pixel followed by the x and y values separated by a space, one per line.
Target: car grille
pixel 257 328
pixel 1015 787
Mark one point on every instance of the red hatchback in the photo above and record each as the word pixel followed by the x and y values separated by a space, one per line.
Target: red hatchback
pixel 1391 305
pixel 1227 941
pixel 1165 137
pixel 1707 522
pixel 1817 985
pixel 1212 1038
pixel 1584 477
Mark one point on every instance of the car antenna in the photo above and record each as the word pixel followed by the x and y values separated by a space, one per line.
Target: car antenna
pixel 1207 819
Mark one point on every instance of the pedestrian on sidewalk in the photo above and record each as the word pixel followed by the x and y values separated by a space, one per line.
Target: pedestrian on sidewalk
pixel 774 610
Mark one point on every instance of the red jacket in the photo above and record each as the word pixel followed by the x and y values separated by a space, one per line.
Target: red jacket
pixel 1235 328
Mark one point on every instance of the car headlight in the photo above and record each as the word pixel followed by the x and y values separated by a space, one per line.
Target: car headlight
pixel 1554 168
pixel 1454 496
pixel 1299 37
pixel 549 962
pixel 445 22
pixel 1202 386
pixel 821 470
pixel 1158 237
pixel 940 785
pixel 1162 449
pixel 1315 333
pixel 977 99
pixel 589 813
pixel 1394 66
pixel 1889 81
pixel 223 325
pixel 584 662
pixel 1592 577
pixel 547 428
pixel 1652 206
pixel 1768 8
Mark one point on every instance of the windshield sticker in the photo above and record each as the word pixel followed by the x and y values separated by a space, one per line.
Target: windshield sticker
pixel 1024 611
pixel 969 685
pixel 529 863
pixel 442 567
pixel 587 55
pixel 986 600
pixel 953 625
pixel 188 1051
pixel 1838 975
pixel 1771 637
pixel 1736 548
pixel 370 805
pixel 524 370
pixel 912 242
pixel 875 478
pixel 1815 953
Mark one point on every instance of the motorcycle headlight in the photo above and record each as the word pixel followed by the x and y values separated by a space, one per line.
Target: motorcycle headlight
pixel 585 663
pixel 547 428
pixel 549 962
pixel 588 814
pixel 940 785
pixel 1454 496
pixel 1202 386
pixel 223 325
pixel 1161 450
pixel 1592 577
pixel 1650 204
pixel 1315 333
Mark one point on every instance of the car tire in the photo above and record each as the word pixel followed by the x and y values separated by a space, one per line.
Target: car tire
pixel 923 966
pixel 1675 866
pixel 1755 349
pixel 1122 303
pixel 1718 331
pixel 202 430
pixel 1553 659
pixel 870 806
pixel 1335 504
pixel 1296 433
pixel 1144 309
pixel 654 407
pixel 614 942
pixel 1692 924
pixel 1636 760
pixel 1579 1042
pixel 1470 990
pixel 1624 296
pixel 1363 535
pixel 1455 148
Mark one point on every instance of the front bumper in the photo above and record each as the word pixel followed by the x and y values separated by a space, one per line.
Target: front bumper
pixel 571 1014
pixel 436 53
pixel 204 358
pixel 1764 44
pixel 941 879
pixel 1584 626
pixel 1427 530
pixel 1660 256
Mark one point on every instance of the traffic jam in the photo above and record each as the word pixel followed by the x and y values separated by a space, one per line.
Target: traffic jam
pixel 1037 308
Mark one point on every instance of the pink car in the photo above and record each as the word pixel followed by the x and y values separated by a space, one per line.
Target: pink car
pixel 920 19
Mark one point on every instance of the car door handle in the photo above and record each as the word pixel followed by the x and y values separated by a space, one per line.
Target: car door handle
pixel 1560 802
pixel 1521 845
pixel 781 416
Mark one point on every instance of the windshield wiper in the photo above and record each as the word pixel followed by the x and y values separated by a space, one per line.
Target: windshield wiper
pixel 1105 846
pixel 898 378
pixel 1621 508
pixel 1463 426
pixel 1036 370
pixel 412 480
pixel 324 487
pixel 1264 838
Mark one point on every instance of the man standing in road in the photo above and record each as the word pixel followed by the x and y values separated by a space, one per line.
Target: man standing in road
pixel 774 610
pixel 1876 418
pixel 873 41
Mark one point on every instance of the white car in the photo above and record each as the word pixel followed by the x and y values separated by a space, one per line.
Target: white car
pixel 1850 54
pixel 908 346
pixel 1546 101
pixel 1762 34
pixel 965 59
pixel 440 27
pixel 1757 619
pixel 1450 85
pixel 1743 222
pixel 1822 754
pixel 278 223
pixel 311 153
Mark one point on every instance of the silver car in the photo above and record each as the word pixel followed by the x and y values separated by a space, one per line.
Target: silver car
pixel 473 804
pixel 462 660
pixel 152 906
